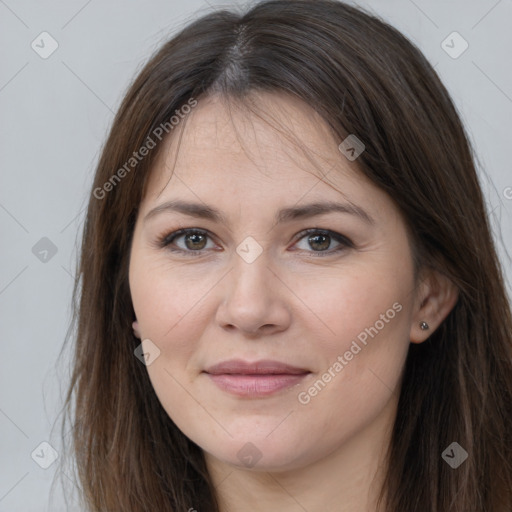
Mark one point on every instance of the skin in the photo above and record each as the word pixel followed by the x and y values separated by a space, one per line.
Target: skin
pixel 289 304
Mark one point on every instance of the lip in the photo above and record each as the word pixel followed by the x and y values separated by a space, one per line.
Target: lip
pixel 262 367
pixel 256 379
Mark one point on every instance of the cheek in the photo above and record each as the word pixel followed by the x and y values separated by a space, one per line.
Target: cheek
pixel 170 309
pixel 171 305
pixel 366 318
pixel 355 302
pixel 167 299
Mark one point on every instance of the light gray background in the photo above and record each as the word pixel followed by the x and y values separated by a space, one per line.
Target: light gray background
pixel 55 114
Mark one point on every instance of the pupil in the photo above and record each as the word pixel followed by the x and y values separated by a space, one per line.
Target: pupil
pixel 194 238
pixel 314 239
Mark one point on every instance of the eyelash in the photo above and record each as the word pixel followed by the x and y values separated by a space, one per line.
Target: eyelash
pixel 165 240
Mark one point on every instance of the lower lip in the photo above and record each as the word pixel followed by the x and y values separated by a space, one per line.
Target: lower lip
pixel 256 385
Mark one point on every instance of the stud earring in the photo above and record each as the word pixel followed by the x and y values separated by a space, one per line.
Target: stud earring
pixel 424 326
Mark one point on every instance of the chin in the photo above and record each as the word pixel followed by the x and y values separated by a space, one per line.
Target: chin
pixel 258 453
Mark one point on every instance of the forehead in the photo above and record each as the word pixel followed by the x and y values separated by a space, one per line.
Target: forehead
pixel 271 140
pixel 260 120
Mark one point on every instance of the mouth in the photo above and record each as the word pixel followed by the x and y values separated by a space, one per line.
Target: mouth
pixel 257 379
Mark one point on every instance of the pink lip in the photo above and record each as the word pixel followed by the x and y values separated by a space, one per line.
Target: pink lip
pixel 258 379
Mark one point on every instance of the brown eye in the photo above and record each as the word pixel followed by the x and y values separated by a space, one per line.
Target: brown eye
pixel 195 241
pixel 319 242
pixel 186 241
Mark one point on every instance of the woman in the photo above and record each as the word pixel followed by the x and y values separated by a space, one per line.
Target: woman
pixel 290 297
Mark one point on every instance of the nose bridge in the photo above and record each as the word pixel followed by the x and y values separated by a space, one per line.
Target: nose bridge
pixel 252 299
pixel 250 276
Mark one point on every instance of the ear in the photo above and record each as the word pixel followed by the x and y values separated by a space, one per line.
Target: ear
pixel 136 331
pixel 436 297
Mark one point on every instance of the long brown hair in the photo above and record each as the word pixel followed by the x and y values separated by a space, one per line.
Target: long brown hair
pixel 363 77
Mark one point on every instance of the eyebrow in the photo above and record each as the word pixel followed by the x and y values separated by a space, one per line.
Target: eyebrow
pixel 202 211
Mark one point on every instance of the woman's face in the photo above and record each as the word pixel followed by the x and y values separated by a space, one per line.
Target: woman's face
pixel 321 319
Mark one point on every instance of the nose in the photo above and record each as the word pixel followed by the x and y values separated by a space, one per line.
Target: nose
pixel 255 300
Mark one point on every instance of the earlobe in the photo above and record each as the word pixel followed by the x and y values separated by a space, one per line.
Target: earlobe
pixel 135 327
pixel 438 297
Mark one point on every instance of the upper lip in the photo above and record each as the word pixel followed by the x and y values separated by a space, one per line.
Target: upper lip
pixel 240 367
